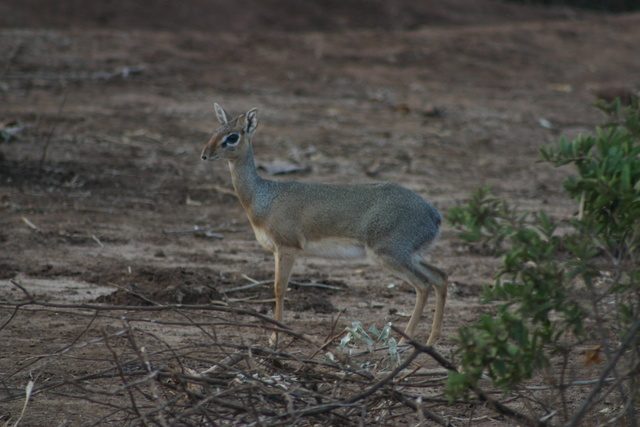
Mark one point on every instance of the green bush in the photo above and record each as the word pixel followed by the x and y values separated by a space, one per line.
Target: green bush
pixel 559 275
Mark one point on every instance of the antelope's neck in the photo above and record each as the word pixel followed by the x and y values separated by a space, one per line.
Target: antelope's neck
pixel 249 186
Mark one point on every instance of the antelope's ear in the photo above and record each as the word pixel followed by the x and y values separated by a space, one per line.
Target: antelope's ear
pixel 251 121
pixel 222 115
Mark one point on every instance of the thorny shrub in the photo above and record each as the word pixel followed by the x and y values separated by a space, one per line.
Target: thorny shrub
pixel 564 284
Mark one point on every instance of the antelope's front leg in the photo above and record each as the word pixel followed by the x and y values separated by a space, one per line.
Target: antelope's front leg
pixel 284 264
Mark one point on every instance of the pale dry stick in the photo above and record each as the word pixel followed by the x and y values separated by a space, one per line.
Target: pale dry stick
pixel 254 283
pixel 386 222
pixel 30 224
pixel 225 364
pixel 28 390
pixel 93 236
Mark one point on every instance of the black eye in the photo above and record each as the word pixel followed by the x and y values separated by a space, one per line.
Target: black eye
pixel 233 138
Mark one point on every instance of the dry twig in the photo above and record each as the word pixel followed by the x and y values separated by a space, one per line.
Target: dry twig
pixel 211 379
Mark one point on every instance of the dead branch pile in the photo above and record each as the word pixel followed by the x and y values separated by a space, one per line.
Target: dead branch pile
pixel 175 365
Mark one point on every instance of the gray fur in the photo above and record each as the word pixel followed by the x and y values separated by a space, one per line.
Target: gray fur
pixel 385 221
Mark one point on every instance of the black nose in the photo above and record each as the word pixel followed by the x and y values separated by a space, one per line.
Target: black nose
pixel 204 157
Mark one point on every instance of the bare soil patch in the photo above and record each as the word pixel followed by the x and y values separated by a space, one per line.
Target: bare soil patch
pixel 104 113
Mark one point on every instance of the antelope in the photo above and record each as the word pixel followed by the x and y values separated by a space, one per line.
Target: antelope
pixel 383 221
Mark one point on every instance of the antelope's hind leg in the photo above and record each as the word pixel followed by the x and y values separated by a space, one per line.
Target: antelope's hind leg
pixel 422 276
pixel 439 280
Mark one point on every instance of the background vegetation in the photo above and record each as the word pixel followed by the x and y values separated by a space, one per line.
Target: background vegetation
pixel 566 285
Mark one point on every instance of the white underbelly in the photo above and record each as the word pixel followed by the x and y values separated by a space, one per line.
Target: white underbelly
pixel 264 239
pixel 329 247
pixel 335 247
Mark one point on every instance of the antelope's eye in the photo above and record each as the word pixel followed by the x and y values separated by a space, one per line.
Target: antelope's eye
pixel 232 138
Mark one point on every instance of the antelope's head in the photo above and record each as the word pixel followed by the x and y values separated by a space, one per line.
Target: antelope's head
pixel 231 140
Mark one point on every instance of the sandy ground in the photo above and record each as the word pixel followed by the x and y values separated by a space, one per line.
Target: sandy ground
pixel 103 197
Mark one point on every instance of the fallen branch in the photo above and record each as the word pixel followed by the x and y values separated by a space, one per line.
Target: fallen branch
pixel 410 401
pixel 30 224
pixel 630 340
pixel 205 379
pixel 255 284
pixel 491 403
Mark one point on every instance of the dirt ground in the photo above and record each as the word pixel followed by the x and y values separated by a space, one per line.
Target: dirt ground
pixel 104 198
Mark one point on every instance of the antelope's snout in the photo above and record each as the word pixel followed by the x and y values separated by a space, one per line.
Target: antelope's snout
pixel 209 151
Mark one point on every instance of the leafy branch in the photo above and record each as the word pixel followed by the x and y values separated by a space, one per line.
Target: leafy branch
pixel 559 276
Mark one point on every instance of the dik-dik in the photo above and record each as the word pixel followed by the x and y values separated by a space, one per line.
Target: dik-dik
pixel 384 221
